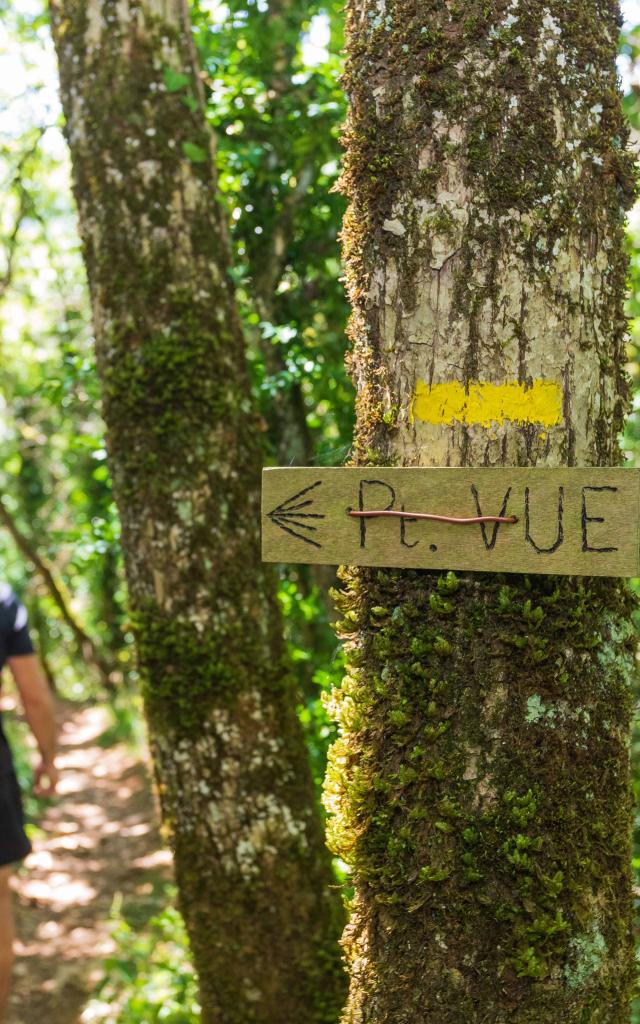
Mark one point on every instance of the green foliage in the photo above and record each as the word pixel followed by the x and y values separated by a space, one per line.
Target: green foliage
pixel 148 977
pixel 277 108
pixel 195 153
pixel 126 721
pixel 278 153
pixel 53 476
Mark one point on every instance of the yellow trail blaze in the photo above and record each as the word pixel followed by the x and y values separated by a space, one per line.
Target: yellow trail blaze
pixel 483 404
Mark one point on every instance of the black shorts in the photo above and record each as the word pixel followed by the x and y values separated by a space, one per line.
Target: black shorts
pixel 14 845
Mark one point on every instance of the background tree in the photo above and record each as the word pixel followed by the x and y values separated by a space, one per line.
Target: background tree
pixel 184 448
pixel 276 104
pixel 481 783
pixel 54 474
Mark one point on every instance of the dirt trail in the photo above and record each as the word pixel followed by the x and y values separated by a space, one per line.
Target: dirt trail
pixel 100 841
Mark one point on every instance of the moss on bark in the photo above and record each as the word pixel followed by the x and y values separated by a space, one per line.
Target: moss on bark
pixel 482 797
pixel 480 784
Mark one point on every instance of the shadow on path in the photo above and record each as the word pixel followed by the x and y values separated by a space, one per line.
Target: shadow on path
pixel 101 842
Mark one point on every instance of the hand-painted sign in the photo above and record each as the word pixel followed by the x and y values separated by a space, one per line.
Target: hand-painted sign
pixel 581 522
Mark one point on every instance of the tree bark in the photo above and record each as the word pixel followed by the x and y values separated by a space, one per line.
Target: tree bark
pixel 481 785
pixel 185 454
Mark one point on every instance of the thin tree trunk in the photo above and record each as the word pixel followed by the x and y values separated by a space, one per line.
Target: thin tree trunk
pixel 184 449
pixel 88 648
pixel 39 624
pixel 481 783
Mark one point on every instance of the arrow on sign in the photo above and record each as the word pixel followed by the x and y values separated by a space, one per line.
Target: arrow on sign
pixel 288 515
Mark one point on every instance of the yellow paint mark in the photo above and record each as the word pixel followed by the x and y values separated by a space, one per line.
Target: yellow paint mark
pixel 483 404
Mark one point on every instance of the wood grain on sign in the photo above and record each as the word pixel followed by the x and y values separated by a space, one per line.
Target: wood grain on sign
pixel 581 522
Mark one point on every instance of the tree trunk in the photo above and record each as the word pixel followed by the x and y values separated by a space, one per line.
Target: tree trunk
pixel 480 785
pixel 235 785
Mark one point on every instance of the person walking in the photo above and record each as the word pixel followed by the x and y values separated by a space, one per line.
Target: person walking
pixel 16 650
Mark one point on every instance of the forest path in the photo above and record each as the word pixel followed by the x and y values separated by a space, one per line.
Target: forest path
pixel 100 842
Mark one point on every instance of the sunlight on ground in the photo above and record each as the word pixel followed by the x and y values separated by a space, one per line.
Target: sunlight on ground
pixel 98 846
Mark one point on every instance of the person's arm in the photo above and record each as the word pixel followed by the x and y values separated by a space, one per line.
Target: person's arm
pixel 39 710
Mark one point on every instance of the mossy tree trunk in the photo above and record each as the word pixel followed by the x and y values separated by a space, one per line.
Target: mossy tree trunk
pixel 185 454
pixel 480 785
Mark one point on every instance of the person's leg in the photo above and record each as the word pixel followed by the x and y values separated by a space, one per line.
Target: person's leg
pixel 6 939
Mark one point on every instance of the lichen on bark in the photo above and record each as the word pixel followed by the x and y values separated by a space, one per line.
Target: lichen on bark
pixel 480 785
pixel 185 454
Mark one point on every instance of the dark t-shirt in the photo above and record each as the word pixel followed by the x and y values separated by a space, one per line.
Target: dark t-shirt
pixel 14 640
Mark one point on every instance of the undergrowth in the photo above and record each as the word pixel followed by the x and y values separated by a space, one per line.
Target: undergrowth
pixel 148 977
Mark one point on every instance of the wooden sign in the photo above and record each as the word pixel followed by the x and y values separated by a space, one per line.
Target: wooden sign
pixel 564 521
